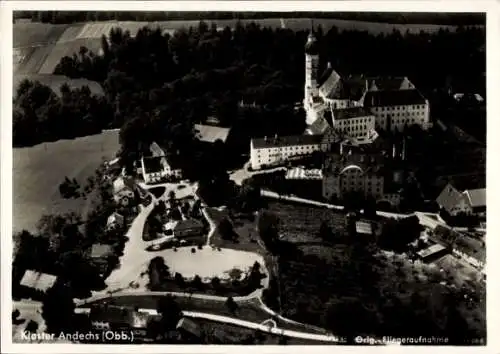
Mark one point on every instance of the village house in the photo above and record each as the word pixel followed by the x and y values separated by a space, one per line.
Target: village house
pixel 472 201
pixel 38 281
pixel 99 254
pixel 189 227
pixel 123 190
pixel 157 168
pixel 115 221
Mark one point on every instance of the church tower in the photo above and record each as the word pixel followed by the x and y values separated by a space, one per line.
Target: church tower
pixel 312 61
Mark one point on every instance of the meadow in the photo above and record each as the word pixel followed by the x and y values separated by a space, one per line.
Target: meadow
pixel 38 171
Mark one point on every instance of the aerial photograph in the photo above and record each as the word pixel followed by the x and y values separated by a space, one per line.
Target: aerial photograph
pixel 249 178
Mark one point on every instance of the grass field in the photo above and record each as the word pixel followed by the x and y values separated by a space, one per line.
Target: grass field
pixel 38 171
pixel 34 34
pixel 56 81
pixel 33 59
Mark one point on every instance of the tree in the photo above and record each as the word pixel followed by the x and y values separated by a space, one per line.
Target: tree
pixel 226 229
pixel 157 271
pixel 197 283
pixel 215 283
pixel 231 305
pixel 179 280
pixel 15 315
pixel 58 309
pixel 325 232
pixel 170 312
pixel 32 327
pixel 267 226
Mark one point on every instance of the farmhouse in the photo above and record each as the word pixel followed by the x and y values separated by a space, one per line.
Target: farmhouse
pixel 123 190
pixel 189 227
pixel 394 101
pixel 115 221
pixel 38 281
pixel 99 254
pixel 471 201
pixel 156 167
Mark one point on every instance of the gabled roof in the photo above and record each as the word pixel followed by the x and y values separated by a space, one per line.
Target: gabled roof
pixel 393 98
pixel 319 126
pixel 156 150
pixel 189 326
pixel 121 183
pixel 353 112
pixel 37 280
pixel 331 84
pixel 295 140
pixel 210 133
pixel 188 224
pixel 100 250
pixel 388 83
pixel 115 217
pixel 476 197
pixel 449 197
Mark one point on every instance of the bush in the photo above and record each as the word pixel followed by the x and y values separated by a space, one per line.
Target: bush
pixel 193 250
pixel 200 246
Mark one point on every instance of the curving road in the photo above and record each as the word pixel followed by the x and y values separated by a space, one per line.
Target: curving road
pixel 431 220
pixel 129 265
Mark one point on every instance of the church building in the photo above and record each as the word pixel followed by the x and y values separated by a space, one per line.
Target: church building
pixel 394 101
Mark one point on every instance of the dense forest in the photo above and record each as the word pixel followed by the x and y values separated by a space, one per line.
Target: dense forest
pixel 159 84
pixel 389 17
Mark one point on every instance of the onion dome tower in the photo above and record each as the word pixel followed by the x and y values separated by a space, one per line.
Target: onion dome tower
pixel 312 61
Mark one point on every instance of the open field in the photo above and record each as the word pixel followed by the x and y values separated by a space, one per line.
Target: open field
pixel 36 34
pixel 56 81
pixel 32 59
pixel 38 171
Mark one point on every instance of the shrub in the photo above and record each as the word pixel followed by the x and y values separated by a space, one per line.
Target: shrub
pixel 200 246
pixel 193 250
